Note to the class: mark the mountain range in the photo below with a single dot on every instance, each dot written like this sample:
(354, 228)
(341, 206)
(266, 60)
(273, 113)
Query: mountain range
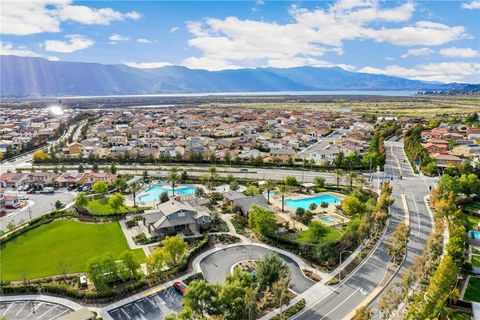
(31, 77)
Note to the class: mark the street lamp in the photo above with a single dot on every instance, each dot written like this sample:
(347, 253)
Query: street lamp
(340, 266)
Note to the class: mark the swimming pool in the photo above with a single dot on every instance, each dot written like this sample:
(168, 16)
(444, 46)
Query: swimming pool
(154, 192)
(328, 219)
(474, 234)
(306, 202)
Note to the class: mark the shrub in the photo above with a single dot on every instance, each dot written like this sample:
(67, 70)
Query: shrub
(313, 206)
(132, 223)
(324, 204)
(293, 310)
(300, 212)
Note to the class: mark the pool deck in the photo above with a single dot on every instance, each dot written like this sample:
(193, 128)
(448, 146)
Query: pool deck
(276, 201)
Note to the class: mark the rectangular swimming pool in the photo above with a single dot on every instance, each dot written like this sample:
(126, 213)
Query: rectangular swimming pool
(306, 202)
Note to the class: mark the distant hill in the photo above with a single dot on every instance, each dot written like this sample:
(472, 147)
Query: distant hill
(26, 77)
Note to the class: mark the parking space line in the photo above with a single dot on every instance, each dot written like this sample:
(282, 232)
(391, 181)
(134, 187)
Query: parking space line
(136, 305)
(23, 306)
(125, 313)
(6, 310)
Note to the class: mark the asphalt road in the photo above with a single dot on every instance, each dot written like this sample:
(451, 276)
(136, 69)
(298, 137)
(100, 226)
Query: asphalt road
(42, 204)
(217, 266)
(355, 289)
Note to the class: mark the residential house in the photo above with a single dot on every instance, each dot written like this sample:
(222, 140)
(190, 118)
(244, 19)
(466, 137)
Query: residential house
(467, 150)
(69, 178)
(445, 160)
(93, 177)
(12, 179)
(41, 179)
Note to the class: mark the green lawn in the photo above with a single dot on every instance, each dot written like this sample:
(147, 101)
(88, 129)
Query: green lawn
(473, 207)
(38, 252)
(460, 316)
(475, 261)
(472, 222)
(102, 208)
(332, 234)
(476, 250)
(473, 290)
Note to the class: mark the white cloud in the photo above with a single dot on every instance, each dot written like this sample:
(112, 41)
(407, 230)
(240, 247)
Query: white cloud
(233, 42)
(115, 38)
(417, 52)
(143, 40)
(174, 29)
(74, 43)
(134, 15)
(443, 71)
(471, 5)
(459, 52)
(31, 17)
(147, 65)
(7, 48)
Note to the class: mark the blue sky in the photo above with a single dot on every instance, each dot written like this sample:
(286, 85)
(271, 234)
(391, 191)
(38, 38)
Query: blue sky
(427, 40)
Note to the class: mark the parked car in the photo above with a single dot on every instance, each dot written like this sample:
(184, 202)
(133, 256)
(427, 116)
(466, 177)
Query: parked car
(47, 190)
(86, 189)
(244, 170)
(180, 287)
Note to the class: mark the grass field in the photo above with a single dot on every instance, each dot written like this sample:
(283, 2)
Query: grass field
(102, 208)
(332, 234)
(460, 316)
(473, 290)
(476, 261)
(38, 252)
(472, 222)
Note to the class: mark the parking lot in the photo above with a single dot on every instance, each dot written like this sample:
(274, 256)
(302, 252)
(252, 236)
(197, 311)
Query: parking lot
(42, 203)
(152, 307)
(32, 310)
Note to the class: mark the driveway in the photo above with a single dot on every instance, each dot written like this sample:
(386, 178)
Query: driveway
(42, 203)
(217, 266)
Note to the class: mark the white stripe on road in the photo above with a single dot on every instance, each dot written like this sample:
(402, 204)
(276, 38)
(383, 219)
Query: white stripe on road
(418, 215)
(344, 300)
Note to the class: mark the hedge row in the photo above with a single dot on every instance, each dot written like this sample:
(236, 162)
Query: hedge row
(293, 310)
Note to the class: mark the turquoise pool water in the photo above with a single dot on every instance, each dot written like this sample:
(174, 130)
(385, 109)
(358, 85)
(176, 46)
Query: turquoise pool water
(306, 202)
(154, 192)
(327, 219)
(474, 234)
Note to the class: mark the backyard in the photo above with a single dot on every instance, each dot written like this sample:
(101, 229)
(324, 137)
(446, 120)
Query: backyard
(473, 290)
(42, 251)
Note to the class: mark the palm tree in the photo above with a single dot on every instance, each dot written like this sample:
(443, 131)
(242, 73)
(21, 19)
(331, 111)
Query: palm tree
(361, 182)
(213, 173)
(172, 178)
(283, 190)
(351, 176)
(134, 187)
(338, 176)
(269, 186)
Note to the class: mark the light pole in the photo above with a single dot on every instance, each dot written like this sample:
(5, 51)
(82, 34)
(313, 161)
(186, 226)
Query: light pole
(29, 210)
(340, 266)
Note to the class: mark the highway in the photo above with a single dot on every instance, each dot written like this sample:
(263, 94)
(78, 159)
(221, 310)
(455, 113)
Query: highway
(366, 281)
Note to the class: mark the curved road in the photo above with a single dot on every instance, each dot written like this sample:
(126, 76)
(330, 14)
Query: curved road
(217, 266)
